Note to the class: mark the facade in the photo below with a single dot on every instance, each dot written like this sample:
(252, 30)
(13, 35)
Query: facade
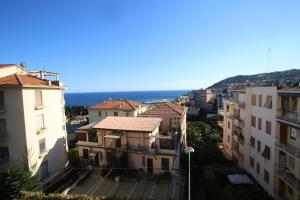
(287, 148)
(174, 119)
(32, 120)
(122, 108)
(104, 142)
(201, 98)
(267, 144)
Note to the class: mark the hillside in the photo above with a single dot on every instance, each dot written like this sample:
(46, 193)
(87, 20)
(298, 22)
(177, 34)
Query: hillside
(282, 76)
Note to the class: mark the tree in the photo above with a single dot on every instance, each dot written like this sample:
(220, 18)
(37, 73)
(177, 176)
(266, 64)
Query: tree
(73, 157)
(15, 179)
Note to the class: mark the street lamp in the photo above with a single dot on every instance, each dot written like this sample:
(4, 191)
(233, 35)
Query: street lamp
(189, 150)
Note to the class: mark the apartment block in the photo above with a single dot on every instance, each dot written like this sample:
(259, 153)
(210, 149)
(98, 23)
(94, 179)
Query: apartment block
(268, 144)
(140, 138)
(32, 120)
(287, 148)
(121, 108)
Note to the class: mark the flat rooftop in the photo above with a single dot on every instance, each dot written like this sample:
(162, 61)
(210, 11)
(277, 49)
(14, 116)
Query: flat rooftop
(141, 124)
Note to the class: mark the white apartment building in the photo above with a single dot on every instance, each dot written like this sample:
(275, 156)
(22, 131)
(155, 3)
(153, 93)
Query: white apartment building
(249, 131)
(121, 108)
(32, 120)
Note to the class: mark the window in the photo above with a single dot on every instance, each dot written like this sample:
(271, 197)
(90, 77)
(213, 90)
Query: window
(100, 155)
(4, 155)
(291, 162)
(228, 125)
(3, 129)
(143, 161)
(99, 113)
(294, 104)
(165, 164)
(85, 153)
(267, 153)
(115, 113)
(257, 168)
(252, 142)
(1, 99)
(38, 98)
(92, 136)
(167, 144)
(42, 145)
(105, 114)
(253, 100)
(293, 134)
(268, 127)
(82, 137)
(251, 162)
(259, 124)
(127, 114)
(228, 138)
(266, 176)
(268, 103)
(258, 146)
(40, 122)
(253, 121)
(260, 100)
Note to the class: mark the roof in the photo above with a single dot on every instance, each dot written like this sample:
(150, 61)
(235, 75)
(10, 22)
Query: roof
(117, 104)
(129, 123)
(167, 108)
(86, 127)
(7, 65)
(21, 80)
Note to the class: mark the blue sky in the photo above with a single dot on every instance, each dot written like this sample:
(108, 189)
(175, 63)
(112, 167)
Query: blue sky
(109, 45)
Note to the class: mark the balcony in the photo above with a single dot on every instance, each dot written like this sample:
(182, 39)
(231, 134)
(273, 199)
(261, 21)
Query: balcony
(3, 136)
(138, 149)
(242, 105)
(39, 106)
(2, 109)
(241, 140)
(289, 116)
(289, 149)
(287, 177)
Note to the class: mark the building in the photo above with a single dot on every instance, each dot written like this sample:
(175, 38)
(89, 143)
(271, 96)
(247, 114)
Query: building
(174, 119)
(104, 142)
(32, 120)
(266, 144)
(202, 97)
(287, 148)
(125, 108)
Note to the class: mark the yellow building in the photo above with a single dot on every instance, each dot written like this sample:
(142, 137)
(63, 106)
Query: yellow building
(103, 143)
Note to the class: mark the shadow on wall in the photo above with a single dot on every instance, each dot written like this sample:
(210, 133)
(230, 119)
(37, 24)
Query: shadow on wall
(54, 159)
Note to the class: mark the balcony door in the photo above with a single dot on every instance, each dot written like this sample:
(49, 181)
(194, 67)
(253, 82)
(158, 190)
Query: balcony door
(281, 188)
(150, 165)
(283, 134)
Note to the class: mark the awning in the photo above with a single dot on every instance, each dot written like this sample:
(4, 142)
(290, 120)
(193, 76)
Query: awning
(113, 135)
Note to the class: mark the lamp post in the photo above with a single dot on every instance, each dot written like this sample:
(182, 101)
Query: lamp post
(189, 150)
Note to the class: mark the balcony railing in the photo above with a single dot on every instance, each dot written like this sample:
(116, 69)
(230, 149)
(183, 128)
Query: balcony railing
(289, 149)
(242, 105)
(290, 116)
(287, 177)
(137, 148)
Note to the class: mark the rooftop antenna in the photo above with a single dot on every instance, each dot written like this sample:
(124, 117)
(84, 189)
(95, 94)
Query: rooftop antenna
(269, 54)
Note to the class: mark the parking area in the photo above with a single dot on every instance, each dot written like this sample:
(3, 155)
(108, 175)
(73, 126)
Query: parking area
(128, 188)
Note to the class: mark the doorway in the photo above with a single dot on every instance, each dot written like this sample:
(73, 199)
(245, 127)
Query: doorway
(150, 165)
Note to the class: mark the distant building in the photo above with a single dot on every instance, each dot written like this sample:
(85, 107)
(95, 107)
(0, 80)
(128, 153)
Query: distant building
(201, 98)
(121, 108)
(32, 120)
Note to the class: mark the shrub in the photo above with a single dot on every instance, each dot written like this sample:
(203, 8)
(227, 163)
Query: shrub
(73, 156)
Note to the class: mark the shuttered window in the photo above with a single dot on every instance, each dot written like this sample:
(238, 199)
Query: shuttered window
(40, 122)
(38, 98)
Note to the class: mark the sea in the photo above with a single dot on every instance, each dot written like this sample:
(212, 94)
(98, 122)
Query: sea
(88, 99)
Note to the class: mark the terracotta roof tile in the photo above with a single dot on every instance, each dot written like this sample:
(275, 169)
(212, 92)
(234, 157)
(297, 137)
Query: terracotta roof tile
(20, 80)
(141, 124)
(117, 104)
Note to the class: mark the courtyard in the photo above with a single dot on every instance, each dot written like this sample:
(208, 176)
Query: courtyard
(146, 187)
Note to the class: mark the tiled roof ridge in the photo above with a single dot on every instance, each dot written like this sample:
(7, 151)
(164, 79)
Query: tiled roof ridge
(168, 104)
(129, 103)
(18, 79)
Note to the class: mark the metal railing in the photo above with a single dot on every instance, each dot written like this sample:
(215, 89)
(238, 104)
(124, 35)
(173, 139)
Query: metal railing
(287, 177)
(289, 149)
(290, 116)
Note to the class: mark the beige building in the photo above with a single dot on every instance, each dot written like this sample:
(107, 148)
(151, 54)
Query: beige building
(32, 120)
(250, 129)
(287, 148)
(122, 108)
(104, 142)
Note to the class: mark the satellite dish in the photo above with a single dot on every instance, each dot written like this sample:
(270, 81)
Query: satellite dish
(23, 64)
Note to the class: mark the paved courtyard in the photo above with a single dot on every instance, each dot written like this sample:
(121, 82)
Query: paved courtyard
(127, 188)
